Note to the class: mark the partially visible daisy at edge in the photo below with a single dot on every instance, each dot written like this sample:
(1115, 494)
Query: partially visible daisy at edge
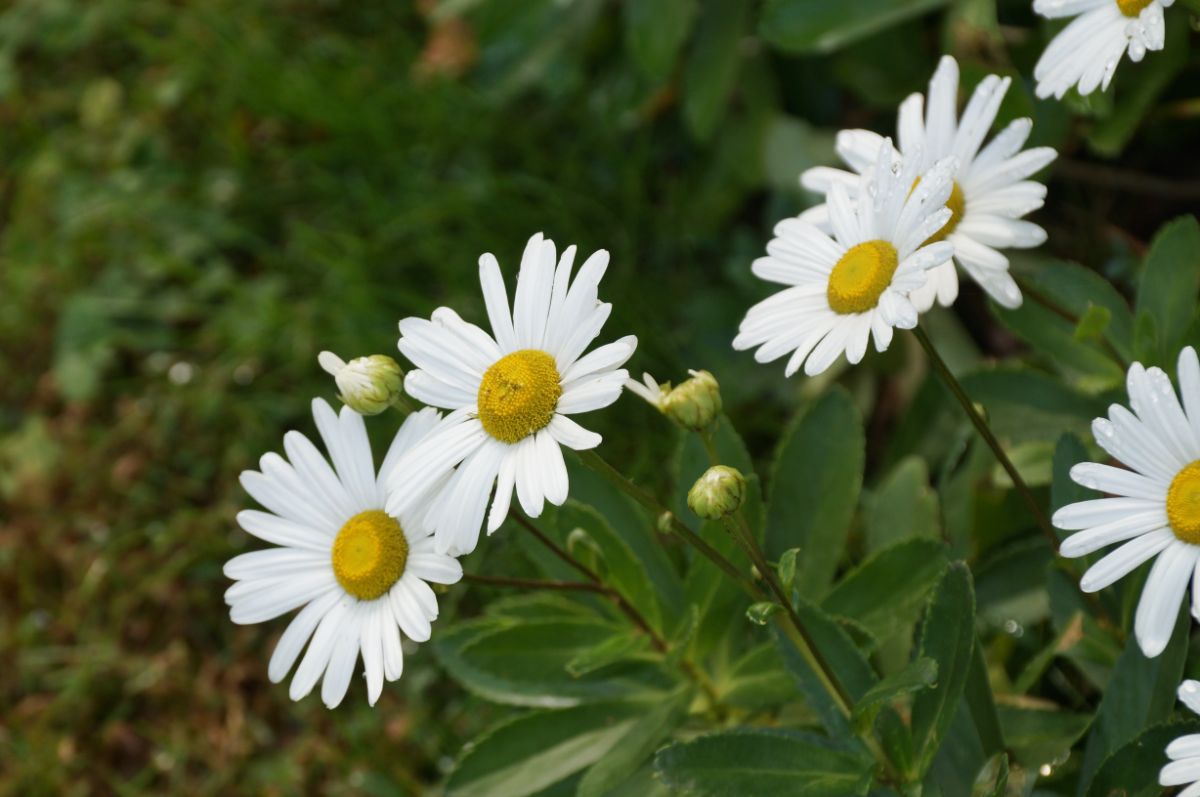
(361, 575)
(846, 289)
(1184, 752)
(510, 393)
(1085, 53)
(1154, 505)
(991, 191)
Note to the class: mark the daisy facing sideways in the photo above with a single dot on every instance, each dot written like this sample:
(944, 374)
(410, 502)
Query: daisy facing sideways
(1154, 508)
(510, 394)
(847, 288)
(360, 575)
(1086, 52)
(1184, 752)
(991, 191)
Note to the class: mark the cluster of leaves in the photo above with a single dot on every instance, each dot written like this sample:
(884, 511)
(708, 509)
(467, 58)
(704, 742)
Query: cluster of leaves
(197, 197)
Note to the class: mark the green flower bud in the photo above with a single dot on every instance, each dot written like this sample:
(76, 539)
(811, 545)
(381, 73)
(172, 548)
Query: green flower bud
(718, 493)
(694, 405)
(368, 385)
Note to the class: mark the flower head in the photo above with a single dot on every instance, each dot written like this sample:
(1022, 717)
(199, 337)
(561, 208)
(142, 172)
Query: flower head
(854, 286)
(510, 393)
(990, 192)
(1086, 52)
(1154, 510)
(368, 385)
(694, 405)
(361, 575)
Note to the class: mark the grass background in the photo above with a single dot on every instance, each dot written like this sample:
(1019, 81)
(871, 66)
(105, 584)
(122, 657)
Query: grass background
(197, 197)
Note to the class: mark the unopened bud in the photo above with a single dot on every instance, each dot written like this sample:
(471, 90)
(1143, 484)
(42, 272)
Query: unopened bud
(694, 405)
(368, 385)
(718, 493)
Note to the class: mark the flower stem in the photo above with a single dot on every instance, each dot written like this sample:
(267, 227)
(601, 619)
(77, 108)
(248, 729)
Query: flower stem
(985, 432)
(596, 584)
(594, 461)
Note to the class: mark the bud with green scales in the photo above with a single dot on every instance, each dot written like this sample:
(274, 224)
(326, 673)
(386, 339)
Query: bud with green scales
(367, 385)
(718, 493)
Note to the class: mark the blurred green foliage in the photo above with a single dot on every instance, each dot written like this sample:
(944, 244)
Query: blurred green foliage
(197, 197)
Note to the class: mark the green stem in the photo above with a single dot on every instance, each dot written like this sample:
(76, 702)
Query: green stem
(594, 461)
(596, 584)
(985, 432)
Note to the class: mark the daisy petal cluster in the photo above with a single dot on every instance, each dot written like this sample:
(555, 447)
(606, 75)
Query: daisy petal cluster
(1153, 508)
(359, 576)
(511, 394)
(1184, 752)
(1085, 54)
(852, 284)
(991, 190)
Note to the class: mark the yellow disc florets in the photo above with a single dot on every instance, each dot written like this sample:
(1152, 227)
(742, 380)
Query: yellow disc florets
(861, 276)
(518, 395)
(1133, 8)
(1183, 504)
(369, 554)
(958, 206)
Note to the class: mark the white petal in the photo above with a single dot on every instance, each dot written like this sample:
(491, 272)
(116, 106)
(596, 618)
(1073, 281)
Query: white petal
(1096, 511)
(280, 531)
(1125, 559)
(572, 435)
(1118, 481)
(553, 469)
(435, 567)
(343, 658)
(1164, 591)
(298, 631)
(408, 614)
(495, 298)
(1126, 527)
(320, 649)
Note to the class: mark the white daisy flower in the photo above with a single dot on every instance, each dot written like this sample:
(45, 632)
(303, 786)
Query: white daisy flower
(1184, 752)
(1155, 508)
(510, 393)
(360, 574)
(990, 193)
(1086, 52)
(854, 285)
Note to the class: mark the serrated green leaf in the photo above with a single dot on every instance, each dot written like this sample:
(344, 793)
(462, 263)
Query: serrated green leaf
(919, 674)
(947, 637)
(815, 483)
(522, 756)
(760, 762)
(890, 587)
(843, 658)
(524, 662)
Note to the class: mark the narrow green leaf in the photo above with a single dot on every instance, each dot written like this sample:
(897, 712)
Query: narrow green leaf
(765, 762)
(890, 587)
(815, 482)
(841, 655)
(525, 755)
(1167, 290)
(805, 26)
(635, 747)
(1093, 323)
(1040, 734)
(948, 637)
(993, 778)
(618, 647)
(787, 567)
(918, 675)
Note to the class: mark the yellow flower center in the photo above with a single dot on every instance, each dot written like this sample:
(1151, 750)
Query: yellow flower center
(518, 395)
(369, 554)
(1133, 8)
(861, 277)
(957, 204)
(1183, 504)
